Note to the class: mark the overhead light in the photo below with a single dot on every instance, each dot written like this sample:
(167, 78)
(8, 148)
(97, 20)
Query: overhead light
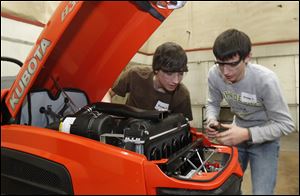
(170, 4)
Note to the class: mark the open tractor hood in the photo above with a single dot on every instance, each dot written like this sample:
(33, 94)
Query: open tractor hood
(85, 45)
(58, 138)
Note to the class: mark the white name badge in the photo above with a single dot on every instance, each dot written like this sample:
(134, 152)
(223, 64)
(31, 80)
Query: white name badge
(248, 98)
(161, 106)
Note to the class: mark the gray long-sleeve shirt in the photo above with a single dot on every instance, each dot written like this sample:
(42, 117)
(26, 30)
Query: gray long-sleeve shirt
(256, 102)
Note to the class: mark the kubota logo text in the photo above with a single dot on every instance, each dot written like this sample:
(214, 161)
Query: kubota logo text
(29, 71)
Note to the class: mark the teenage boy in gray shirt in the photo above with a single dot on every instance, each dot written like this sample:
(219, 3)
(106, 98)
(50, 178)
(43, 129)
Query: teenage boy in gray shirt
(261, 114)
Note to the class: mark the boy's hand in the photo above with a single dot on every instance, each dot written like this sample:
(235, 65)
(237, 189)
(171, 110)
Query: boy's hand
(233, 135)
(211, 129)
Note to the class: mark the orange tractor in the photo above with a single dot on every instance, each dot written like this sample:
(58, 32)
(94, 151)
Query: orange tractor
(58, 138)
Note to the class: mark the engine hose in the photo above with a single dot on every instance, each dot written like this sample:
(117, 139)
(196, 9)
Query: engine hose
(125, 111)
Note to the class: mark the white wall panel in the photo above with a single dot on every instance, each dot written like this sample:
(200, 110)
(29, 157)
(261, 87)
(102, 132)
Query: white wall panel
(197, 115)
(196, 81)
(17, 40)
(14, 50)
(19, 30)
(297, 89)
(284, 68)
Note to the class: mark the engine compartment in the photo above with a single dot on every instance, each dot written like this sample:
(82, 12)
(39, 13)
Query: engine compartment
(155, 134)
(162, 137)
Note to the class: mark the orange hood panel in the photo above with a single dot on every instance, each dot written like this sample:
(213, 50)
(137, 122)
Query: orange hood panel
(85, 45)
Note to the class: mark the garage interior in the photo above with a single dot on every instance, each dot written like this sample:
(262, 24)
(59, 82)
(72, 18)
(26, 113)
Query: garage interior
(272, 26)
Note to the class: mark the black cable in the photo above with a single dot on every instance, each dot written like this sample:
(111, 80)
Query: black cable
(9, 59)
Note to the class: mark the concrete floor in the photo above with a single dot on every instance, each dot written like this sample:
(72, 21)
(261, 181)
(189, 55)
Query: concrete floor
(288, 171)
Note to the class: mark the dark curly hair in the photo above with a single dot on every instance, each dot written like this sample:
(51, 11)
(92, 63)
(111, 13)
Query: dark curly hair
(230, 43)
(170, 57)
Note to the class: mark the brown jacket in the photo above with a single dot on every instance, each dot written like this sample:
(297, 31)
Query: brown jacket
(138, 81)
